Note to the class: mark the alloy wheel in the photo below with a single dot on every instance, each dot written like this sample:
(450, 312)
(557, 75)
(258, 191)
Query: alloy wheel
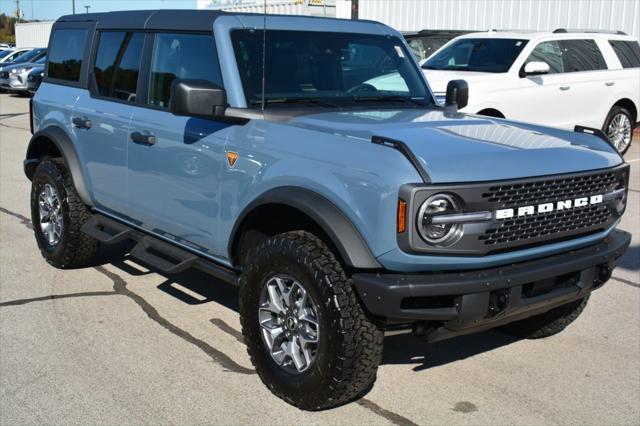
(289, 323)
(619, 131)
(50, 210)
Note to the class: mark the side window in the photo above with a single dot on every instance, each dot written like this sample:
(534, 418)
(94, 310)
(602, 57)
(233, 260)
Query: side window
(582, 55)
(628, 52)
(549, 52)
(117, 64)
(191, 56)
(67, 51)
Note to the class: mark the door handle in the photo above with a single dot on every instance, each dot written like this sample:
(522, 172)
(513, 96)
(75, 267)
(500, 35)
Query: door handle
(143, 138)
(565, 88)
(81, 122)
(609, 83)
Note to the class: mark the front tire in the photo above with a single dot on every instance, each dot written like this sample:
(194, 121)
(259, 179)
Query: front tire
(548, 323)
(619, 128)
(346, 347)
(57, 214)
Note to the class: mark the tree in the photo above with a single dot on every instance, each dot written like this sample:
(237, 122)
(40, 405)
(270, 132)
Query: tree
(7, 29)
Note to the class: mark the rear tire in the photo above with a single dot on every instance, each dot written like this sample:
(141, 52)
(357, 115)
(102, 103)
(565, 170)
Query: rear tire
(57, 214)
(618, 126)
(548, 323)
(349, 346)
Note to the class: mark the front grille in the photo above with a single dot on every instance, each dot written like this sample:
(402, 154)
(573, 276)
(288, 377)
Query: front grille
(547, 225)
(566, 188)
(554, 225)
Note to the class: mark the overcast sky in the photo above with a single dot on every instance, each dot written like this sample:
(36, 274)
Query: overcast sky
(53, 9)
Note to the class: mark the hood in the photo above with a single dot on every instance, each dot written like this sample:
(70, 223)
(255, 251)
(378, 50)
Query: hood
(438, 79)
(460, 148)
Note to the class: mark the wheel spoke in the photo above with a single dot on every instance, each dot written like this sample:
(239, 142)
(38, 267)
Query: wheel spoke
(282, 286)
(275, 299)
(310, 320)
(296, 356)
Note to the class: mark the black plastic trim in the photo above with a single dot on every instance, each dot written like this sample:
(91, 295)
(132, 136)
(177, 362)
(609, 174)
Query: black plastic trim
(383, 293)
(404, 149)
(592, 131)
(351, 245)
(62, 141)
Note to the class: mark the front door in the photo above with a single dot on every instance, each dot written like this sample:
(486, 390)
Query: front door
(175, 163)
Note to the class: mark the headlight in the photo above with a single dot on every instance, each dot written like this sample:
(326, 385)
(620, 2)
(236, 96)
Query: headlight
(15, 71)
(439, 234)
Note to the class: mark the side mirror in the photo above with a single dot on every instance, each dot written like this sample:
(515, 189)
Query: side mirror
(197, 98)
(536, 68)
(457, 94)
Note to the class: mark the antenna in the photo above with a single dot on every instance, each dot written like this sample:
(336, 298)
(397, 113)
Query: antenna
(264, 52)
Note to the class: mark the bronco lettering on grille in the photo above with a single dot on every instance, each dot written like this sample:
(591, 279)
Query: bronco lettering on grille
(548, 207)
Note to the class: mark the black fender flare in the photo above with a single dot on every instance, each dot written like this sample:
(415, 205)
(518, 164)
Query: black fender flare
(65, 146)
(345, 236)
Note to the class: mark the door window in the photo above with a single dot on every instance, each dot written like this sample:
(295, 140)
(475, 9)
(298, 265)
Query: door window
(188, 56)
(582, 55)
(67, 51)
(117, 65)
(628, 52)
(550, 53)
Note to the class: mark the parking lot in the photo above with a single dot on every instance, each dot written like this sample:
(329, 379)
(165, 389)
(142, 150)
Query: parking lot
(119, 344)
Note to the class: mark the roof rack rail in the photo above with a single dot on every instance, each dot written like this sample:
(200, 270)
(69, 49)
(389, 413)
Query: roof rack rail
(578, 30)
(511, 30)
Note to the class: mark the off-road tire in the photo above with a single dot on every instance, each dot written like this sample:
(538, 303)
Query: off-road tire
(615, 111)
(548, 323)
(75, 249)
(350, 347)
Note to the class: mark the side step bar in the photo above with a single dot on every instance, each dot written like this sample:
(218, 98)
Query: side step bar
(154, 252)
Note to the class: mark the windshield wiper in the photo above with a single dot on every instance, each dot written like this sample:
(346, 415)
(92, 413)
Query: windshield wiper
(314, 101)
(419, 102)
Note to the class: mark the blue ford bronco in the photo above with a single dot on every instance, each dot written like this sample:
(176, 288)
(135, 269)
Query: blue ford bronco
(305, 160)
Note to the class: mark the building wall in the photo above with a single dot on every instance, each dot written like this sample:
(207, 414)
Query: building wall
(279, 7)
(33, 34)
(540, 15)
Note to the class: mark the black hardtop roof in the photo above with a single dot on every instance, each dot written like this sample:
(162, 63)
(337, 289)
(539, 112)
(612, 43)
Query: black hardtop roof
(162, 19)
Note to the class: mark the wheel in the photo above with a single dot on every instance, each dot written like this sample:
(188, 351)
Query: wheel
(548, 323)
(306, 333)
(57, 213)
(619, 128)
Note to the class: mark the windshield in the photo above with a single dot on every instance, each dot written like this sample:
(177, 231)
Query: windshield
(4, 53)
(423, 47)
(27, 57)
(337, 68)
(477, 54)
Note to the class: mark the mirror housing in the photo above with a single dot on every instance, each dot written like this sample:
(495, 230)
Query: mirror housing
(536, 68)
(197, 98)
(457, 94)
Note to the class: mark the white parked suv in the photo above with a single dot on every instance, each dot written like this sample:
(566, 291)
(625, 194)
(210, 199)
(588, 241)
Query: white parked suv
(560, 78)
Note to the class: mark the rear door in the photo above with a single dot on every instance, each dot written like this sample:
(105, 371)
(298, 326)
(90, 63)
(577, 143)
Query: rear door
(588, 74)
(175, 162)
(102, 115)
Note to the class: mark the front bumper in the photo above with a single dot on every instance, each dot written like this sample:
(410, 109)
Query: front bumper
(468, 301)
(14, 82)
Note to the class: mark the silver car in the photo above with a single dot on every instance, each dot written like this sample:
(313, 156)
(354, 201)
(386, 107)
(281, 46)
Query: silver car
(14, 78)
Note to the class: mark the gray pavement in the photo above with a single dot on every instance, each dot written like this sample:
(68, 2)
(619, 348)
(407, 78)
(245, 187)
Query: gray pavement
(119, 344)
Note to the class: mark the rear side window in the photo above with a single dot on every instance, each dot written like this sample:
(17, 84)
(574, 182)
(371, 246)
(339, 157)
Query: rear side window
(67, 51)
(550, 53)
(117, 65)
(191, 56)
(628, 52)
(582, 55)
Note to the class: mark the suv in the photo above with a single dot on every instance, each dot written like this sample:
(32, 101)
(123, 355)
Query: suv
(560, 78)
(340, 208)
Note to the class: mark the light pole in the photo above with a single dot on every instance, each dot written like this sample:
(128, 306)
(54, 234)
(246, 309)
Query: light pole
(73, 6)
(87, 7)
